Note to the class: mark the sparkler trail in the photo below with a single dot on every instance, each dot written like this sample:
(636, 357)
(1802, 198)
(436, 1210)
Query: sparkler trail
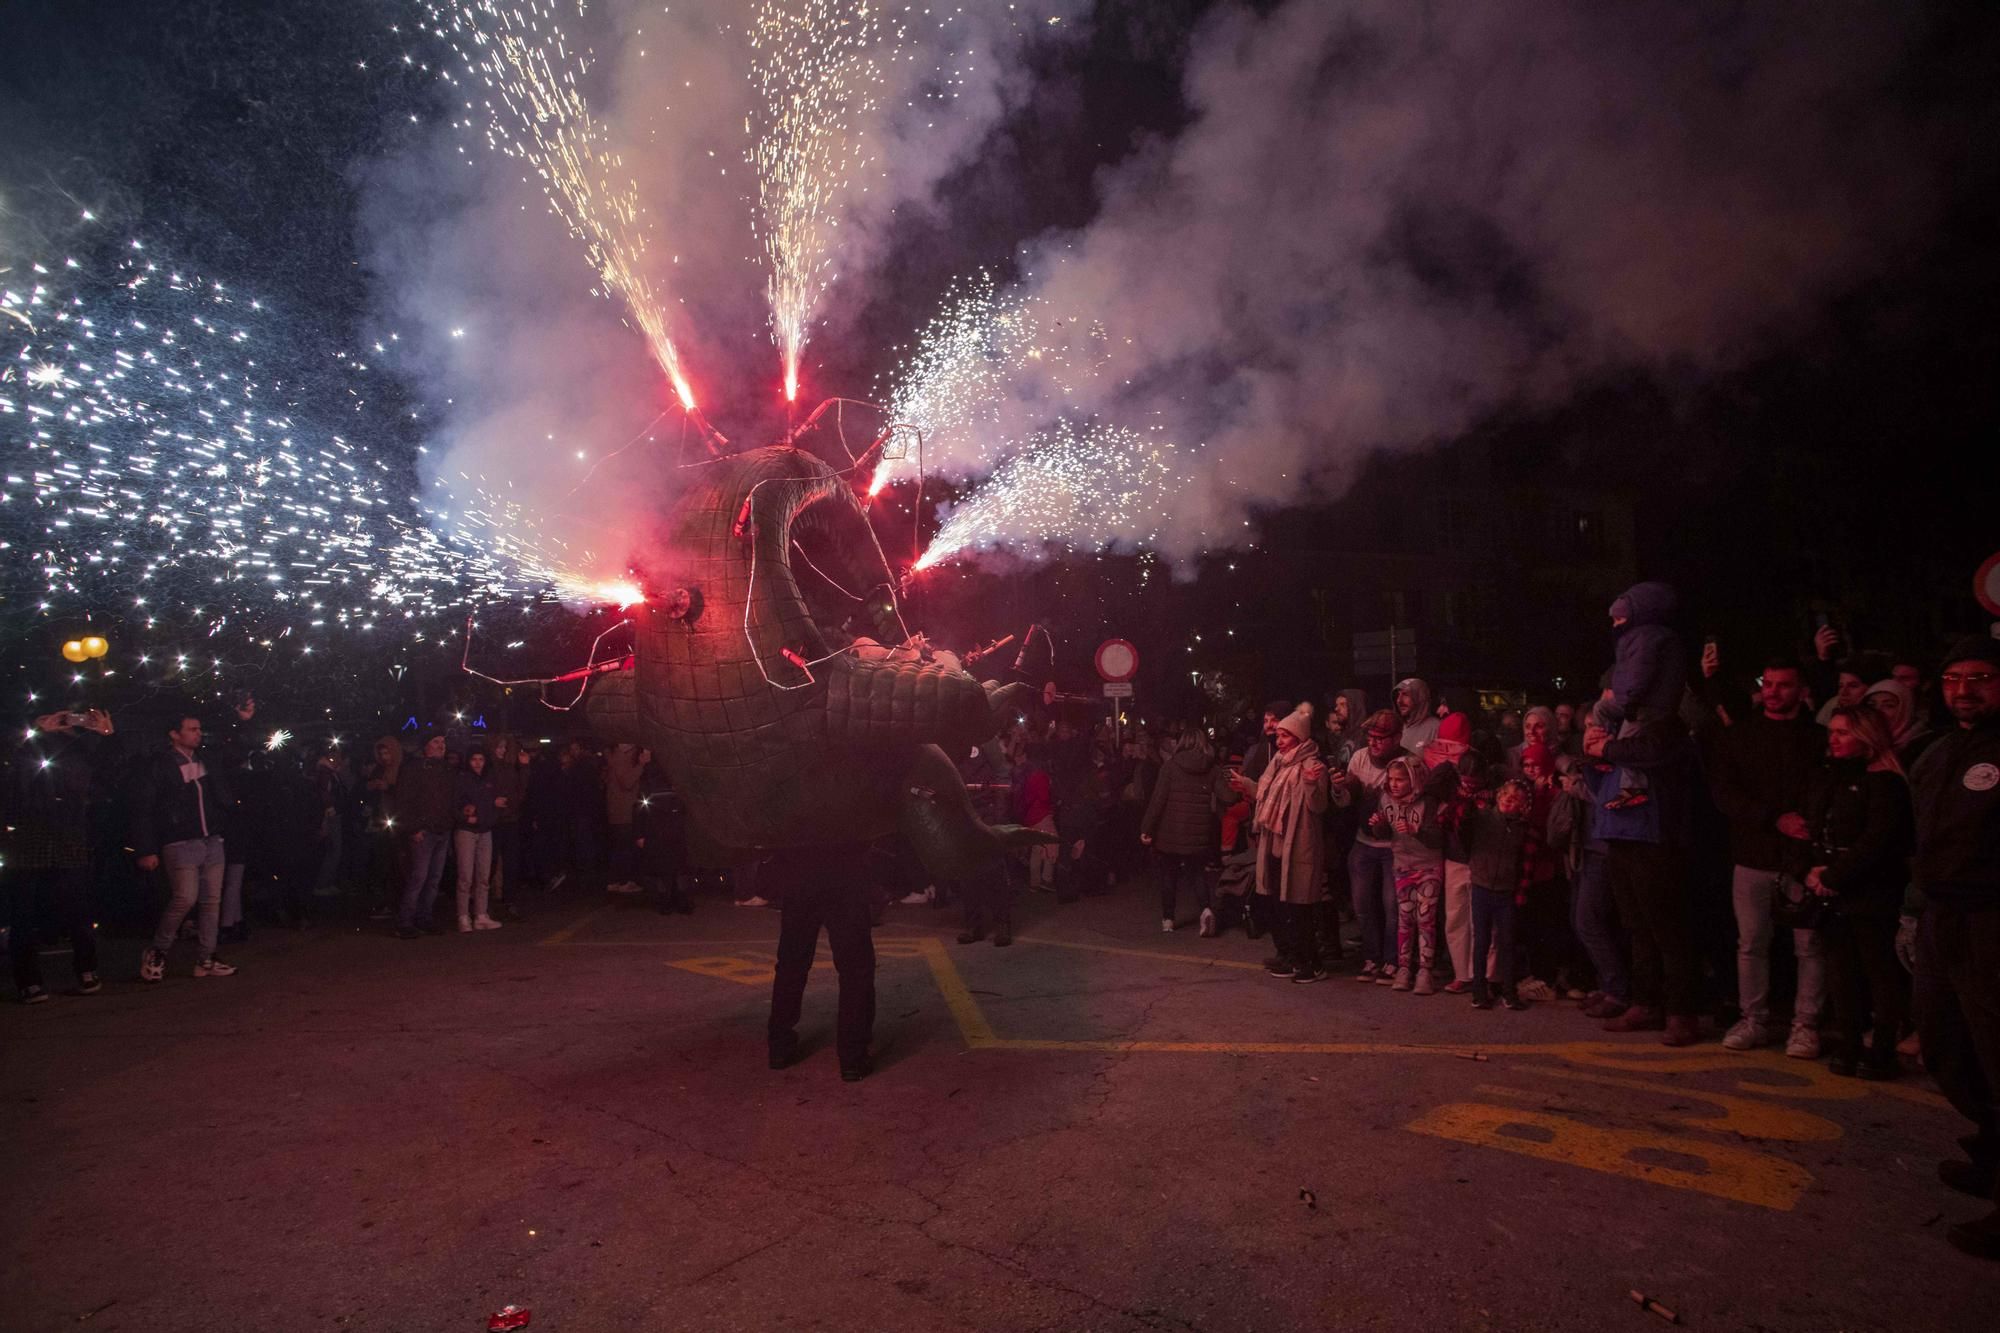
(1078, 485)
(814, 64)
(967, 369)
(519, 52)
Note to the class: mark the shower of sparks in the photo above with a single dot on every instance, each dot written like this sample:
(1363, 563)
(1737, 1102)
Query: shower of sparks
(816, 70)
(979, 352)
(518, 52)
(1078, 485)
(167, 457)
(279, 739)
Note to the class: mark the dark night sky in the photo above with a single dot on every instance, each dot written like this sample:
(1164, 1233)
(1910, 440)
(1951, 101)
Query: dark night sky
(1851, 462)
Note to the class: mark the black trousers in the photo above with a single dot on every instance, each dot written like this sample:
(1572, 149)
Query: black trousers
(1173, 869)
(1958, 1014)
(824, 887)
(1865, 977)
(989, 898)
(1648, 882)
(67, 894)
(1298, 934)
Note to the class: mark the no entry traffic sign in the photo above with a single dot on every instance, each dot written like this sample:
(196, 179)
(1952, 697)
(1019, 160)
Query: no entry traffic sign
(1117, 660)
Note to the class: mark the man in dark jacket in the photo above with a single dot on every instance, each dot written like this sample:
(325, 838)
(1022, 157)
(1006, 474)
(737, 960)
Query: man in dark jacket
(424, 816)
(177, 823)
(1762, 768)
(46, 825)
(1956, 788)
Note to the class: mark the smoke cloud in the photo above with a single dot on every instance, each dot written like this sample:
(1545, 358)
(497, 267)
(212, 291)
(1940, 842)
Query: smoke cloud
(1381, 223)
(1387, 220)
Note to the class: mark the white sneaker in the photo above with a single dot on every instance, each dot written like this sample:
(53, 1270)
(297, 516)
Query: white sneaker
(755, 900)
(1804, 1043)
(214, 967)
(1424, 984)
(152, 965)
(1746, 1035)
(1402, 979)
(465, 925)
(917, 899)
(485, 923)
(1207, 922)
(622, 886)
(1166, 925)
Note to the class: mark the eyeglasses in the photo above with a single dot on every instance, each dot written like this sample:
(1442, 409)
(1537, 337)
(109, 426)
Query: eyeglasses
(1954, 681)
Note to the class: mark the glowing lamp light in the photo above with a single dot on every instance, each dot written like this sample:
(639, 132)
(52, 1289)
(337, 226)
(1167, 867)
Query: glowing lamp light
(74, 651)
(95, 646)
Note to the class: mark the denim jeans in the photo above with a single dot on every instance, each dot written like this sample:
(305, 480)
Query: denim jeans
(420, 887)
(1371, 876)
(474, 848)
(1493, 913)
(1593, 919)
(194, 875)
(1751, 891)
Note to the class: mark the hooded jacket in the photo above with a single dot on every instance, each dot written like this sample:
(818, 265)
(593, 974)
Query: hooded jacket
(1340, 746)
(1420, 726)
(1181, 817)
(1649, 674)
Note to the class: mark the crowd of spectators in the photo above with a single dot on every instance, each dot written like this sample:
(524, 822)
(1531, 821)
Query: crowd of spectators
(1797, 852)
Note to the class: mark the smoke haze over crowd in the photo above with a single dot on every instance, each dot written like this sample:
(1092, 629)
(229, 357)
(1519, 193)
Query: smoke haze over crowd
(1379, 224)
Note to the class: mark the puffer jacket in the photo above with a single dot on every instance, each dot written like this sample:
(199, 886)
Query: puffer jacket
(1181, 817)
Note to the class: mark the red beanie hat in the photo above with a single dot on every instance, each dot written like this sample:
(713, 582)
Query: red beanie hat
(1456, 728)
(1539, 755)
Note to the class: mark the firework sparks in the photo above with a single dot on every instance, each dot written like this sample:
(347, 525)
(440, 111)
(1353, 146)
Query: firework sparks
(970, 361)
(519, 52)
(815, 68)
(1081, 485)
(164, 463)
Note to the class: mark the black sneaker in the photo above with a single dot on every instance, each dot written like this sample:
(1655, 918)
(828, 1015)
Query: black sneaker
(1278, 967)
(35, 995)
(88, 983)
(857, 1071)
(1514, 1002)
(1482, 1002)
(1002, 937)
(972, 936)
(1306, 977)
(407, 932)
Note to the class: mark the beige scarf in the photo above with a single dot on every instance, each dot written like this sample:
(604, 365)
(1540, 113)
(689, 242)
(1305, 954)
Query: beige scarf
(1282, 793)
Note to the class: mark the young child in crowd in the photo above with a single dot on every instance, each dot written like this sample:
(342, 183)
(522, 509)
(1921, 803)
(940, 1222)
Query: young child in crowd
(1494, 843)
(1648, 676)
(1410, 820)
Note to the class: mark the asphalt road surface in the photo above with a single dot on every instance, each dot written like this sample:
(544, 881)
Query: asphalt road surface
(1103, 1127)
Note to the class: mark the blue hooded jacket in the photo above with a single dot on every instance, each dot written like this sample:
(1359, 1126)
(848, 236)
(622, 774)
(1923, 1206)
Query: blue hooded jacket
(1650, 672)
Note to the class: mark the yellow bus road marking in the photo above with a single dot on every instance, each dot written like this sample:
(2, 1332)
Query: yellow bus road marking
(1723, 1170)
(1746, 1116)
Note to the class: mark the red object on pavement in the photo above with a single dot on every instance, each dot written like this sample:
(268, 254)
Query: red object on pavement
(512, 1316)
